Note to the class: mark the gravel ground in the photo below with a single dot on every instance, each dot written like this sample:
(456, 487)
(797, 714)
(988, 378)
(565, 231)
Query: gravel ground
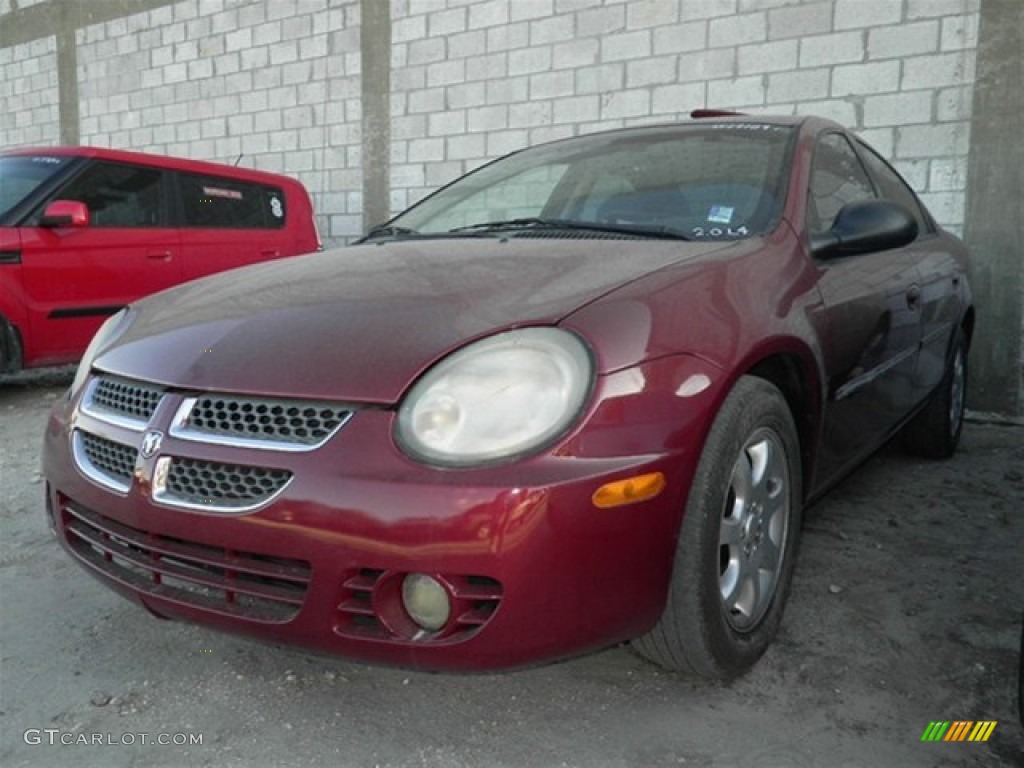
(906, 609)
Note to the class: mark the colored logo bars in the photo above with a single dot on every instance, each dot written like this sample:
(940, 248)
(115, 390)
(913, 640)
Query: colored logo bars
(959, 730)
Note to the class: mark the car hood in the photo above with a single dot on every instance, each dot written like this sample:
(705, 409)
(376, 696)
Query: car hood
(361, 323)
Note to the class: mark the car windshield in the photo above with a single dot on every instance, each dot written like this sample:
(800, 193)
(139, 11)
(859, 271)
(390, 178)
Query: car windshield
(20, 175)
(721, 180)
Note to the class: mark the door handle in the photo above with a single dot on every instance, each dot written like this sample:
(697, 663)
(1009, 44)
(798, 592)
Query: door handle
(159, 255)
(913, 297)
(272, 253)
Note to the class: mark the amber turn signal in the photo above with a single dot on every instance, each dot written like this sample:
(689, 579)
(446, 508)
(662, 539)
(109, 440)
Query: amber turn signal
(629, 491)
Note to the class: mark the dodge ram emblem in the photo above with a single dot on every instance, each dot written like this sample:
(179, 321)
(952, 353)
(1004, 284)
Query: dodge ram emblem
(151, 444)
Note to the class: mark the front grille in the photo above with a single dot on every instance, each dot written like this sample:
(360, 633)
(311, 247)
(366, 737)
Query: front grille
(128, 399)
(227, 581)
(210, 484)
(295, 423)
(106, 461)
(370, 607)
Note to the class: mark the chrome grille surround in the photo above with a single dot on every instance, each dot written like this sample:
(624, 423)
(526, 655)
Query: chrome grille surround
(230, 582)
(213, 486)
(135, 409)
(120, 401)
(107, 462)
(265, 423)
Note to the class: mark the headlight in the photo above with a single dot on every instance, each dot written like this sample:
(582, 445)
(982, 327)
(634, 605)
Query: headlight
(110, 329)
(501, 397)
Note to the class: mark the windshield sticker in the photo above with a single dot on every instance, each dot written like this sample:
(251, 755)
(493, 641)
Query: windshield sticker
(720, 214)
(701, 233)
(47, 160)
(276, 208)
(231, 194)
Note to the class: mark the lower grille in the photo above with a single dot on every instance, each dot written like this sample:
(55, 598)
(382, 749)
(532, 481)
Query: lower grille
(216, 486)
(107, 462)
(370, 607)
(230, 582)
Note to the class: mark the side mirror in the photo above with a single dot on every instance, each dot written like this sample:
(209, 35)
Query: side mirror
(65, 213)
(865, 226)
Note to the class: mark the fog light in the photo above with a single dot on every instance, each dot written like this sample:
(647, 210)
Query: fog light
(426, 601)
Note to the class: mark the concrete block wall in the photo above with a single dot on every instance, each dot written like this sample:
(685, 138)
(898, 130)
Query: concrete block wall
(278, 83)
(268, 85)
(28, 93)
(473, 80)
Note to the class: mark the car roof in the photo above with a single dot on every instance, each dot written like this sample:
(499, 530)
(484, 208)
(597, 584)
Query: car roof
(161, 161)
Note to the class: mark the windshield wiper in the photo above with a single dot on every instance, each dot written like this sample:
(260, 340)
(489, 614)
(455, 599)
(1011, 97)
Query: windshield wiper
(529, 222)
(387, 230)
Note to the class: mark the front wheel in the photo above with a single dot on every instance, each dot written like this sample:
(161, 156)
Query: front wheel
(935, 432)
(737, 544)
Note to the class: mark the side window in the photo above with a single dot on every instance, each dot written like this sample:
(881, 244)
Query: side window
(837, 178)
(211, 201)
(893, 187)
(120, 195)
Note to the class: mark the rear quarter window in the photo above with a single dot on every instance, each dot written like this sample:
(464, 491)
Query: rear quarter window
(220, 203)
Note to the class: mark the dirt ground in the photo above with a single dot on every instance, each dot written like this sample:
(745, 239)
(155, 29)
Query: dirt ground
(906, 609)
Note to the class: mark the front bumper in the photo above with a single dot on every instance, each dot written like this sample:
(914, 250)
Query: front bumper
(535, 571)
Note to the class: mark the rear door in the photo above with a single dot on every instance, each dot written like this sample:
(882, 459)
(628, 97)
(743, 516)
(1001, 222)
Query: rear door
(872, 313)
(75, 277)
(228, 223)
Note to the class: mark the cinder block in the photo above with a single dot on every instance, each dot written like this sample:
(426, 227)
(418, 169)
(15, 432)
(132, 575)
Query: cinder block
(898, 109)
(856, 14)
(918, 141)
(737, 30)
(903, 40)
(626, 46)
(679, 99)
(577, 109)
(530, 114)
(861, 79)
(802, 85)
(651, 13)
(600, 78)
(767, 57)
(600, 21)
(738, 91)
(551, 85)
(708, 65)
(680, 38)
(940, 70)
(622, 104)
(556, 29)
(575, 53)
(642, 72)
(706, 9)
(529, 60)
(840, 48)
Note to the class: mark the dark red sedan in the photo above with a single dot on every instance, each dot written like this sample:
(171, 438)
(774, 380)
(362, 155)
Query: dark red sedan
(577, 397)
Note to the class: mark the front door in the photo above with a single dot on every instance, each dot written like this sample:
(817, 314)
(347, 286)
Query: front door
(871, 304)
(75, 277)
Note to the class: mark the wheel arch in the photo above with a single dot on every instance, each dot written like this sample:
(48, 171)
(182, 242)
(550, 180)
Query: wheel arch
(967, 324)
(11, 349)
(796, 378)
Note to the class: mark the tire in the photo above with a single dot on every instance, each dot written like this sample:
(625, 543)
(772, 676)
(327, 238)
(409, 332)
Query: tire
(934, 433)
(1020, 674)
(742, 520)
